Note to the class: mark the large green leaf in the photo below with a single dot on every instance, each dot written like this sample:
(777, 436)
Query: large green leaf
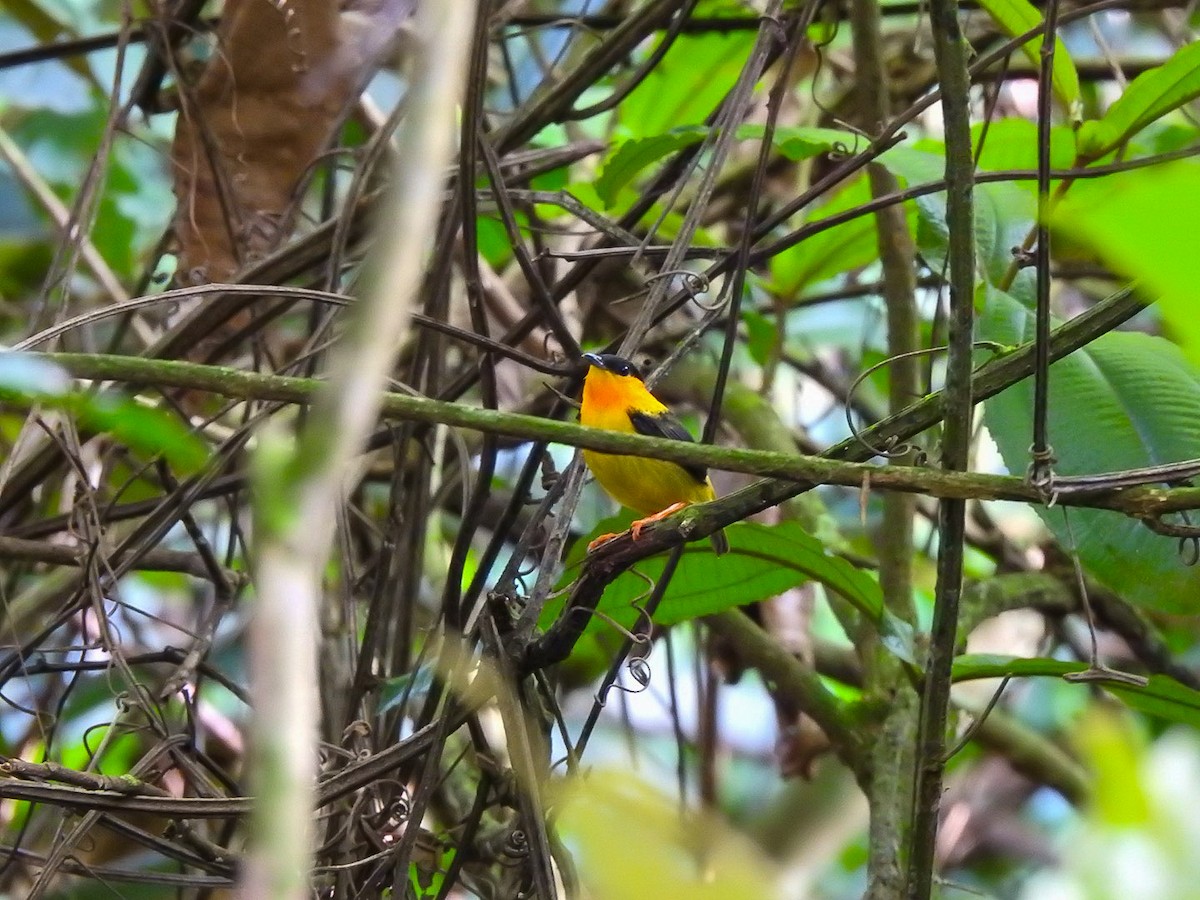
(1125, 401)
(27, 381)
(1162, 696)
(1017, 17)
(763, 561)
(1144, 224)
(1150, 96)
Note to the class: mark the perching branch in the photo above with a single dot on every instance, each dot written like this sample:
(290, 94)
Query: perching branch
(798, 471)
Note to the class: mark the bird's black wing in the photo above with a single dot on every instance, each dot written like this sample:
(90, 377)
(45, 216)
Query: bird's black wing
(665, 425)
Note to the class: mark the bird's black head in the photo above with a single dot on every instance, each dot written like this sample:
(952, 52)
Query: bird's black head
(609, 362)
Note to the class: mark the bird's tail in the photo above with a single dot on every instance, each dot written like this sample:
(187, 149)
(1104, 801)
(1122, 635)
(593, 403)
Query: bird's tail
(720, 543)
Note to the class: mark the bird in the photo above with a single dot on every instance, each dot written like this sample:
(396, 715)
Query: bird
(615, 398)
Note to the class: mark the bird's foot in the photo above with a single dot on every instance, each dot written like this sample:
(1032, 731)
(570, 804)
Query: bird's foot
(603, 539)
(636, 527)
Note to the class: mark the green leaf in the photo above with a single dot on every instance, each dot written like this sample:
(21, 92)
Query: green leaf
(1143, 224)
(1003, 211)
(1016, 17)
(633, 156)
(493, 241)
(687, 84)
(146, 430)
(1163, 696)
(840, 248)
(27, 381)
(1013, 144)
(631, 841)
(763, 561)
(1126, 400)
(1150, 96)
(799, 142)
(425, 880)
(762, 334)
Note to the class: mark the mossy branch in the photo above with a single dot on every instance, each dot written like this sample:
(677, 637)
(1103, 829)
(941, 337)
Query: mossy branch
(792, 473)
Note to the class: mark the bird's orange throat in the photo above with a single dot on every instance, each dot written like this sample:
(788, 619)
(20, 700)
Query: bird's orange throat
(600, 388)
(606, 400)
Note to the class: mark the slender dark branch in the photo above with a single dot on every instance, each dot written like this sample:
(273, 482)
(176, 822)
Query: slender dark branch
(156, 560)
(950, 48)
(1041, 467)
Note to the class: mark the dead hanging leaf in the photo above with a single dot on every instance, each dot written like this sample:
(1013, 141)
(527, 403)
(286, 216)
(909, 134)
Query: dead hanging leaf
(800, 744)
(281, 81)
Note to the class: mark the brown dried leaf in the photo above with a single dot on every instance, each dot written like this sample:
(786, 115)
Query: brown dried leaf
(283, 77)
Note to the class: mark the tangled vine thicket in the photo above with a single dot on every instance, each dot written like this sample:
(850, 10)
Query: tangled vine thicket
(674, 179)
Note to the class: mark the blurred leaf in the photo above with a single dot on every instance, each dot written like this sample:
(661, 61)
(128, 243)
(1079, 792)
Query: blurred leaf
(552, 180)
(897, 637)
(114, 237)
(1016, 17)
(59, 144)
(27, 381)
(1163, 697)
(1114, 753)
(409, 686)
(493, 241)
(46, 27)
(763, 561)
(800, 142)
(23, 264)
(632, 842)
(761, 335)
(32, 376)
(1137, 839)
(145, 430)
(1150, 96)
(62, 147)
(163, 582)
(1126, 400)
(1143, 224)
(686, 85)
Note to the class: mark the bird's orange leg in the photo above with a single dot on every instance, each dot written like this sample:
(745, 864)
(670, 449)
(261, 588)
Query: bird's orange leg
(603, 539)
(637, 526)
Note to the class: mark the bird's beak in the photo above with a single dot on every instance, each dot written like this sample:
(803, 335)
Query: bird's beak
(593, 359)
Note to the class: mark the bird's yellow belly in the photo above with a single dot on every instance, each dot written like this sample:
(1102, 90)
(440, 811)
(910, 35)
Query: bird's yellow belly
(645, 485)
